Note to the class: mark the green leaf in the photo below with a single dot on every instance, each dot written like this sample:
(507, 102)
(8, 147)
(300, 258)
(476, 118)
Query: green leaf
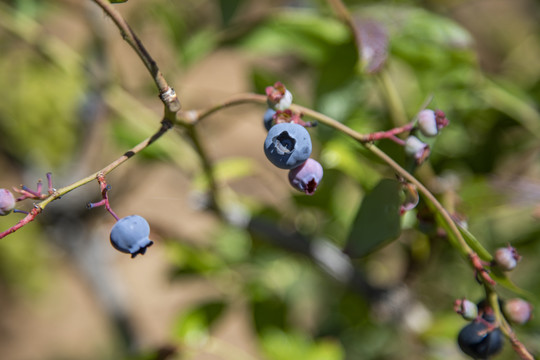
(227, 170)
(502, 279)
(117, 1)
(377, 221)
(193, 326)
(471, 240)
(298, 33)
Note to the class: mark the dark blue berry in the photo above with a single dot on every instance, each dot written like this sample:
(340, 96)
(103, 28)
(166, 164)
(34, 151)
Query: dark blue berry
(130, 235)
(268, 118)
(478, 341)
(287, 145)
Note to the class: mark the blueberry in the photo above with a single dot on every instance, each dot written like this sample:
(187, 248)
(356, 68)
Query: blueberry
(130, 235)
(287, 145)
(7, 202)
(478, 341)
(268, 118)
(307, 176)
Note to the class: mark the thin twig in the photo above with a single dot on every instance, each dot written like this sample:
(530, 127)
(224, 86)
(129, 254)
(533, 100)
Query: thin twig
(107, 169)
(166, 92)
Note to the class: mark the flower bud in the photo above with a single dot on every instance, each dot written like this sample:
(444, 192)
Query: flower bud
(517, 311)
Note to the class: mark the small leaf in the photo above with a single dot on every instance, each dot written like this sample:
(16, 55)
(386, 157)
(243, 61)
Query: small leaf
(502, 279)
(377, 221)
(471, 240)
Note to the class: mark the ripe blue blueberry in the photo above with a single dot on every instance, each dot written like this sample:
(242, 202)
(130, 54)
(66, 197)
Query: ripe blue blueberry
(7, 202)
(287, 145)
(268, 118)
(130, 235)
(478, 341)
(307, 176)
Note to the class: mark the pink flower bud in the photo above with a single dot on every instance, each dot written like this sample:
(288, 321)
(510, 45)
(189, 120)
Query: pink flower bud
(416, 148)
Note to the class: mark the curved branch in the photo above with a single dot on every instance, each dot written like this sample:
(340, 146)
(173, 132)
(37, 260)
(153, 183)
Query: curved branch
(166, 92)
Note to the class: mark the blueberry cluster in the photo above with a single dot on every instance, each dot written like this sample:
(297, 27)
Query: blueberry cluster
(482, 338)
(288, 143)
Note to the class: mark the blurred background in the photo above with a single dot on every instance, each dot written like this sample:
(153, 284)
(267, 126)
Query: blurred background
(267, 280)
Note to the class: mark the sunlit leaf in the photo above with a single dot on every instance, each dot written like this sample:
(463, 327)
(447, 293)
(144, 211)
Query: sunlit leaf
(279, 345)
(194, 325)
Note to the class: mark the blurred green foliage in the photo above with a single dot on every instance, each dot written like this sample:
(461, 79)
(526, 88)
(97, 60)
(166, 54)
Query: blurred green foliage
(487, 159)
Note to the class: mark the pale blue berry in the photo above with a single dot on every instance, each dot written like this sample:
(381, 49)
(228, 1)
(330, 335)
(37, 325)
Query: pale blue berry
(130, 235)
(287, 145)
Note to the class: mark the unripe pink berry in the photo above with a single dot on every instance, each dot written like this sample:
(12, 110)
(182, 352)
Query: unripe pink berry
(307, 176)
(506, 258)
(416, 148)
(517, 311)
(427, 123)
(7, 202)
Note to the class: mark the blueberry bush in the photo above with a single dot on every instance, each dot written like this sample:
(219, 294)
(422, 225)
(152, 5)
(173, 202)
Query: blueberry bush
(320, 179)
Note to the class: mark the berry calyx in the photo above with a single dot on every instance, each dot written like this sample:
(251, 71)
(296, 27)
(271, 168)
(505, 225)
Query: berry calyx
(7, 202)
(287, 145)
(130, 235)
(506, 258)
(307, 176)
